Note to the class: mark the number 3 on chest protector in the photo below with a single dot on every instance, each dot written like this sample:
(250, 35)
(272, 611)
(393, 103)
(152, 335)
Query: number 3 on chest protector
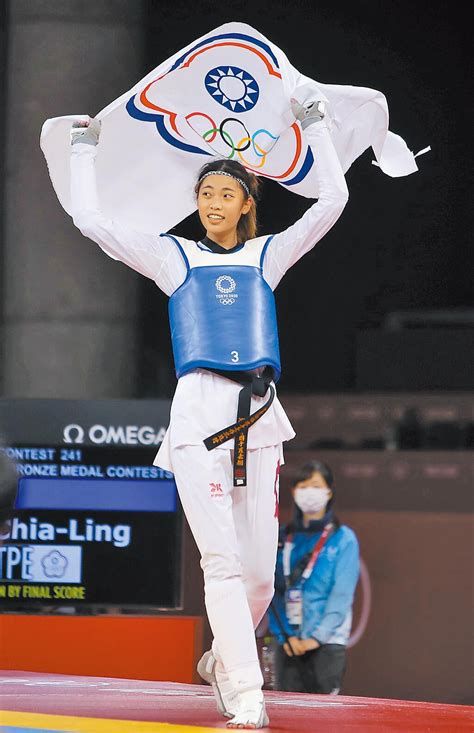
(234, 355)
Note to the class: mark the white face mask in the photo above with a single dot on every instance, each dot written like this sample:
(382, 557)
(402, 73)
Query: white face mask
(312, 499)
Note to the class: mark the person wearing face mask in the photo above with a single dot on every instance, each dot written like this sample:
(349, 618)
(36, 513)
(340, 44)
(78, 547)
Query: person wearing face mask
(316, 576)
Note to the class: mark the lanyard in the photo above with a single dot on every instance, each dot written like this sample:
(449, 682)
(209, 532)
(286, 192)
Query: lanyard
(288, 548)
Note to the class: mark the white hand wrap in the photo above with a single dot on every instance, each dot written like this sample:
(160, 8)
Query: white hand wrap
(86, 133)
(308, 113)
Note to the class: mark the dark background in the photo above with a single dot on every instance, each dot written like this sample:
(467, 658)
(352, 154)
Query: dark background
(400, 243)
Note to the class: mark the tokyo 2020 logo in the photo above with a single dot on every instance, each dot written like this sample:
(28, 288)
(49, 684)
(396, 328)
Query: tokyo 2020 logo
(223, 288)
(226, 285)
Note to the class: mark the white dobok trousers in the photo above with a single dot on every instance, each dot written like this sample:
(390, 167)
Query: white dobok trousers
(236, 531)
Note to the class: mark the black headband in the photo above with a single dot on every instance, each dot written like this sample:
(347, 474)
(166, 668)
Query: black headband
(230, 175)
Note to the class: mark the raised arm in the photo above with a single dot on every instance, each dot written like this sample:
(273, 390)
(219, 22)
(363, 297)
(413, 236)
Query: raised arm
(148, 254)
(289, 246)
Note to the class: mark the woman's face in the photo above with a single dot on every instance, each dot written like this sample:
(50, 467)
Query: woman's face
(221, 203)
(315, 481)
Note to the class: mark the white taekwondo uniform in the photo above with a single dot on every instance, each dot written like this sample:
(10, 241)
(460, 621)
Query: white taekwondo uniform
(235, 528)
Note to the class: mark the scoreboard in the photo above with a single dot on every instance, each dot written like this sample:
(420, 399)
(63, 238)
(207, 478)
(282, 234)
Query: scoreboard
(95, 523)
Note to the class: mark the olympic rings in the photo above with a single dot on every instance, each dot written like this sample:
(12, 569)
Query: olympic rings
(222, 131)
(243, 144)
(254, 144)
(259, 153)
(230, 144)
(202, 114)
(256, 167)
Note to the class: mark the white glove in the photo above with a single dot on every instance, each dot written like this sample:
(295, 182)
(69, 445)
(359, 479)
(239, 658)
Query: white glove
(308, 113)
(85, 132)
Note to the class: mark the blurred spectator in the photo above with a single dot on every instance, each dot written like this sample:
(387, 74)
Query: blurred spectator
(316, 575)
(408, 432)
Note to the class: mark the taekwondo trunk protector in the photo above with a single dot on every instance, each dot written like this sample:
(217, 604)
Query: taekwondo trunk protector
(223, 318)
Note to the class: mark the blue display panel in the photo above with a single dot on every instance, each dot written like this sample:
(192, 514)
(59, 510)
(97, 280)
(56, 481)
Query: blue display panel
(98, 525)
(97, 494)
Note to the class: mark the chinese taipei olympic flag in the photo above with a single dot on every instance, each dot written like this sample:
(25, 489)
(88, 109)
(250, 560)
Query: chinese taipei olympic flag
(227, 94)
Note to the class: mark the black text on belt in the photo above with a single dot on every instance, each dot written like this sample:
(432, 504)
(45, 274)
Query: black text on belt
(253, 384)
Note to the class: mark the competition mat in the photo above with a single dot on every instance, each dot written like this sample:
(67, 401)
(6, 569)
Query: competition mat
(31, 702)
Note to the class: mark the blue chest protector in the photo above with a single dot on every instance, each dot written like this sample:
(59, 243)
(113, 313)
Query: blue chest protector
(224, 317)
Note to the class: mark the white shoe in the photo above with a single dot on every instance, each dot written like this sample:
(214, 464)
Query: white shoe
(251, 713)
(226, 697)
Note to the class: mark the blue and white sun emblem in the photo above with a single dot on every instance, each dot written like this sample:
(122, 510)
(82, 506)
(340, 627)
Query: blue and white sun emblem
(232, 87)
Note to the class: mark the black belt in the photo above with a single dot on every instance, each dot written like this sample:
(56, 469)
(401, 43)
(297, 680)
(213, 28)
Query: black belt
(252, 384)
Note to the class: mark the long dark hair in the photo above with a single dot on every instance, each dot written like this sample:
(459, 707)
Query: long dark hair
(247, 226)
(312, 467)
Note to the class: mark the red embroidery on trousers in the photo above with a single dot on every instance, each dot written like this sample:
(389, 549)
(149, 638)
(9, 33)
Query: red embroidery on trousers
(216, 490)
(275, 489)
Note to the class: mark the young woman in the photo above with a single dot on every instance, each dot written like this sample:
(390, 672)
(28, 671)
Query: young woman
(224, 441)
(316, 577)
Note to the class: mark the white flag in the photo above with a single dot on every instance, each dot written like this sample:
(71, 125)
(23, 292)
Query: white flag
(227, 94)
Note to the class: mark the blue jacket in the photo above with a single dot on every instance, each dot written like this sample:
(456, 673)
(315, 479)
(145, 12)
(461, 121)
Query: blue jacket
(328, 593)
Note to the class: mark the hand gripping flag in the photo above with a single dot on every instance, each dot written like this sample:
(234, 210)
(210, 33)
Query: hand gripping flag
(227, 94)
